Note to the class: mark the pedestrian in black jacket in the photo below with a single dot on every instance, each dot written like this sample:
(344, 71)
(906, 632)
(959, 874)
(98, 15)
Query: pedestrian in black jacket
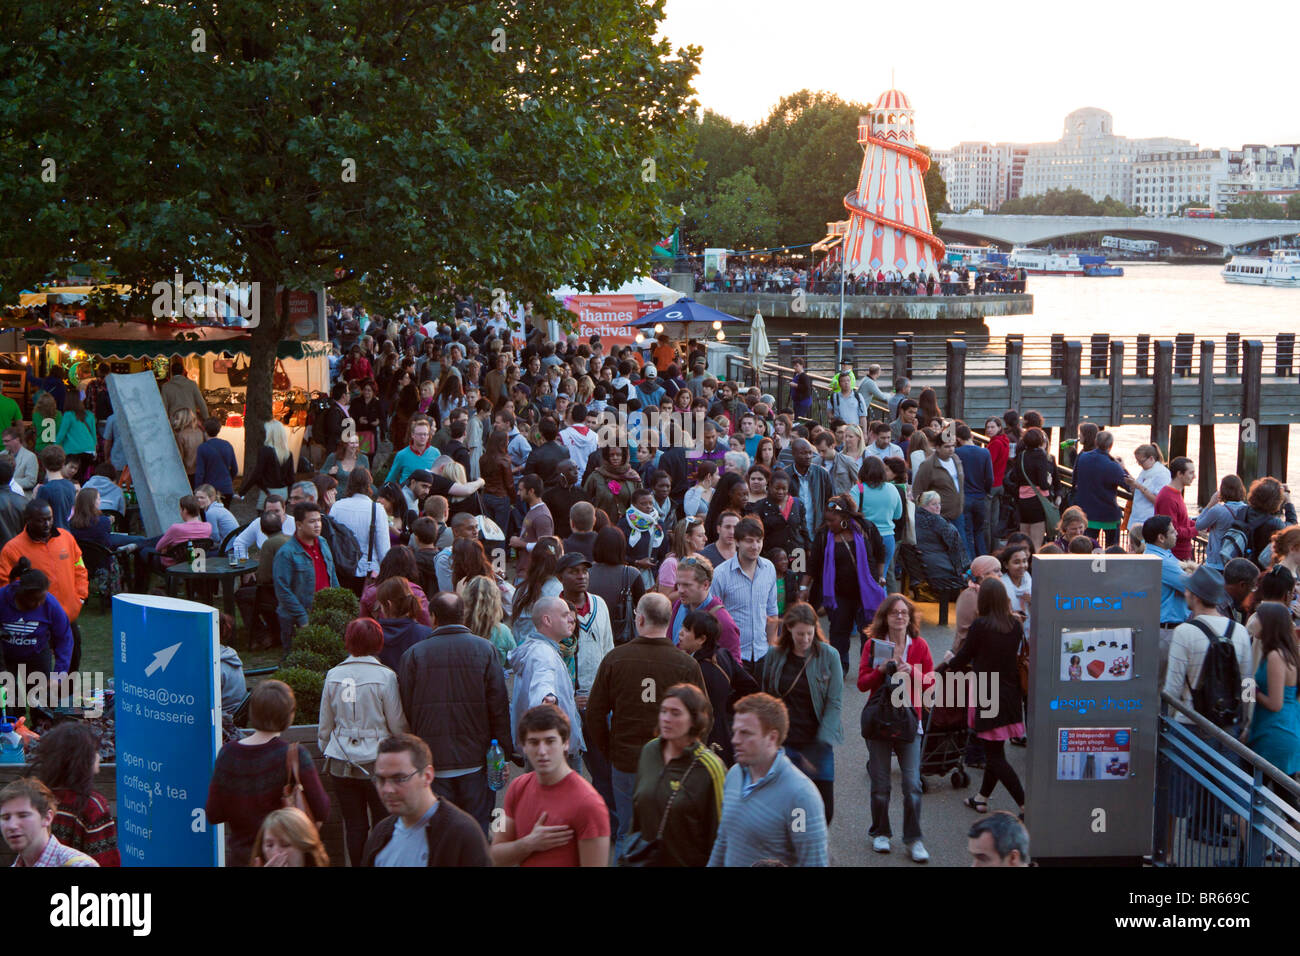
(725, 680)
(404, 776)
(544, 460)
(454, 697)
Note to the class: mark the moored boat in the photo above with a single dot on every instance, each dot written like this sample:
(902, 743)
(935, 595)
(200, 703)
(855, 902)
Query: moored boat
(1281, 267)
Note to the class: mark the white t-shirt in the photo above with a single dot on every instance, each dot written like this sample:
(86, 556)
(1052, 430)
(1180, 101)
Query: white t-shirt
(1152, 479)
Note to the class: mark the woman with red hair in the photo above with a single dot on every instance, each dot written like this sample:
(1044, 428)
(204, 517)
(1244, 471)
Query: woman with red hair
(359, 706)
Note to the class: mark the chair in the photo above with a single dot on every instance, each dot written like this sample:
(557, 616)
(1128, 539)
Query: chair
(226, 541)
(103, 570)
(180, 554)
(116, 516)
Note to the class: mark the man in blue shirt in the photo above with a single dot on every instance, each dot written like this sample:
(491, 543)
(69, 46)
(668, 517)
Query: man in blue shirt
(746, 586)
(215, 463)
(1160, 536)
(977, 485)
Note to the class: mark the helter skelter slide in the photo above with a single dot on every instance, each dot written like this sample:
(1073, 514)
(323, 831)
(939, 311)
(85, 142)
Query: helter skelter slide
(889, 221)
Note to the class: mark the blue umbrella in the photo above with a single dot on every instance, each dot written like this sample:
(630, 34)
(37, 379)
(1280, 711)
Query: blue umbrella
(685, 310)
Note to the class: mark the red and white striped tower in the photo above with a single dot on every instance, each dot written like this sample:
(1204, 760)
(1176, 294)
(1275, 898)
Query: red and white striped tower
(889, 221)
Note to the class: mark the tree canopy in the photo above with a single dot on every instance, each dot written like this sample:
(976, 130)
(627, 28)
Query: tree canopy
(1066, 202)
(805, 154)
(395, 150)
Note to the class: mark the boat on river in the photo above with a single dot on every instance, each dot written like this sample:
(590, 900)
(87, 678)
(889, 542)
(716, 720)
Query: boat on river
(1281, 267)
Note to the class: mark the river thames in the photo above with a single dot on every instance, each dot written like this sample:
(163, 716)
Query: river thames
(1161, 300)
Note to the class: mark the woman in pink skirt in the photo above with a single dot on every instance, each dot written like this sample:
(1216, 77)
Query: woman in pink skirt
(991, 646)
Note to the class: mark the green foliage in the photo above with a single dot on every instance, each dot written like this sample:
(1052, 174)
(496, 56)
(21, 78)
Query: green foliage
(739, 213)
(320, 640)
(936, 191)
(1293, 206)
(1066, 202)
(307, 688)
(372, 148)
(336, 621)
(1257, 206)
(334, 599)
(307, 660)
(805, 156)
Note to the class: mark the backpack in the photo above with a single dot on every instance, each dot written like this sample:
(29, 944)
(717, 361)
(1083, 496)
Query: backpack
(1238, 540)
(347, 552)
(1217, 696)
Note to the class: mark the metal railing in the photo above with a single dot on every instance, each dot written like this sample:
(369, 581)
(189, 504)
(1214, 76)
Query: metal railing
(1218, 803)
(1043, 356)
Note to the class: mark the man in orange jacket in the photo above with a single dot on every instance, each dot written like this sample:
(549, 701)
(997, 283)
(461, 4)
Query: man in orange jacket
(56, 552)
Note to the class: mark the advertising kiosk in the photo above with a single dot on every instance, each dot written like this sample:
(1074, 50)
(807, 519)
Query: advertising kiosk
(1094, 702)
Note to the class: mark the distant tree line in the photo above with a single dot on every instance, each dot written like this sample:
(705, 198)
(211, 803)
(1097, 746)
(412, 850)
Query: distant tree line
(1066, 202)
(780, 182)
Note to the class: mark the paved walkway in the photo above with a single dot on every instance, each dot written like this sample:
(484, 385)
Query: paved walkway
(944, 820)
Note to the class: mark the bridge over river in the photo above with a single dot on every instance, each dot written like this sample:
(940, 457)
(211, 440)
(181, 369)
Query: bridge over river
(1038, 230)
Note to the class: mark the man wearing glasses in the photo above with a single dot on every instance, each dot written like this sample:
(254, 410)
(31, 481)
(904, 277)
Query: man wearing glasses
(421, 829)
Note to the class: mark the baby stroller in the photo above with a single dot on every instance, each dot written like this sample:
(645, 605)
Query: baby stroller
(944, 746)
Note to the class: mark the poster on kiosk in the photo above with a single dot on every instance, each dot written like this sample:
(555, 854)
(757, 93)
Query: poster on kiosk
(1094, 705)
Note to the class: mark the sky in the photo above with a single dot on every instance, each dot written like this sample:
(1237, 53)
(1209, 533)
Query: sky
(1010, 70)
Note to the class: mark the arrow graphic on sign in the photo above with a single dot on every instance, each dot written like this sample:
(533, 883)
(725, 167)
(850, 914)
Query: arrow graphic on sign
(161, 659)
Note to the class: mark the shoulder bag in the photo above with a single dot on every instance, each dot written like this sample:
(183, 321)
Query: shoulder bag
(628, 629)
(647, 853)
(293, 797)
(882, 720)
(237, 374)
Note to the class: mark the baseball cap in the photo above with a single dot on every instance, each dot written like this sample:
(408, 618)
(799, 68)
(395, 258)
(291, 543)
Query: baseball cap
(572, 560)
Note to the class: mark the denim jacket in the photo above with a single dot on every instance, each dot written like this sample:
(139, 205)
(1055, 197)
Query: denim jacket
(295, 579)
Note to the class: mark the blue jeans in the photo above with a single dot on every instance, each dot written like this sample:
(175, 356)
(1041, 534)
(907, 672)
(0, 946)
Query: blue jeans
(624, 786)
(890, 544)
(879, 753)
(974, 527)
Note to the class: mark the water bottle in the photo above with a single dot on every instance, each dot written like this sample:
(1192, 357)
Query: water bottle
(11, 744)
(496, 766)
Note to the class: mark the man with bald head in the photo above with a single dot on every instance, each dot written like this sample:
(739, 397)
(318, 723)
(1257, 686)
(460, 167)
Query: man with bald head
(623, 708)
(454, 696)
(809, 483)
(541, 676)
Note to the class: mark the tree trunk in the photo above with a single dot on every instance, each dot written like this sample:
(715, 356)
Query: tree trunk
(266, 338)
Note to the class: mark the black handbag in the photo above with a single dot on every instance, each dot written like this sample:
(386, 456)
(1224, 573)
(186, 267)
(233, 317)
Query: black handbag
(238, 374)
(882, 719)
(643, 852)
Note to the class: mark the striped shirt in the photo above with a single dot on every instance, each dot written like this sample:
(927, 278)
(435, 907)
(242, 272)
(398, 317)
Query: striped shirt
(778, 817)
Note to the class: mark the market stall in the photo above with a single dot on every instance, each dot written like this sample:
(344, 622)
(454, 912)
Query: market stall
(216, 358)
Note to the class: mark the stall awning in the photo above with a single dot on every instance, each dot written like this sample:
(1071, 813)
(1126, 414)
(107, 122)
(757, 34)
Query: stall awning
(138, 341)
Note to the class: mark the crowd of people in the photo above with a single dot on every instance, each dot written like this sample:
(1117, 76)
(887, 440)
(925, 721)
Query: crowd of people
(825, 279)
(641, 584)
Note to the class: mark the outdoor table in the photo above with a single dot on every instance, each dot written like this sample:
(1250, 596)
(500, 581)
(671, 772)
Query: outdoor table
(223, 571)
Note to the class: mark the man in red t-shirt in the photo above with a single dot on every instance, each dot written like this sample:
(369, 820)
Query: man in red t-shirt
(1170, 502)
(553, 816)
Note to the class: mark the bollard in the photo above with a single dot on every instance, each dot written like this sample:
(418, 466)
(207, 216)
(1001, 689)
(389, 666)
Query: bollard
(1249, 438)
(1164, 382)
(1183, 343)
(1143, 357)
(1070, 379)
(955, 379)
(1097, 360)
(1285, 354)
(1016, 368)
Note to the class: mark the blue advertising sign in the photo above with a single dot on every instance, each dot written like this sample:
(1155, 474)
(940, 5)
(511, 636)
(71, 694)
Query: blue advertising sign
(167, 704)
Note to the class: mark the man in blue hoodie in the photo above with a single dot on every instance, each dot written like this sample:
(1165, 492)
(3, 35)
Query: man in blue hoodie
(34, 630)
